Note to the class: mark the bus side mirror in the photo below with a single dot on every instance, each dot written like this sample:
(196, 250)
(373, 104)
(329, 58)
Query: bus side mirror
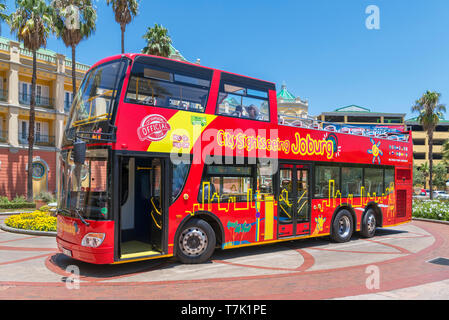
(79, 151)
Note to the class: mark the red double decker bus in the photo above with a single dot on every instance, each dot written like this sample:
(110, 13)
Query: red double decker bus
(164, 158)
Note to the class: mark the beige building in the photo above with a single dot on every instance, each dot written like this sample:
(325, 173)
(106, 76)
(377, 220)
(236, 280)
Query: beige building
(362, 116)
(53, 101)
(290, 105)
(421, 142)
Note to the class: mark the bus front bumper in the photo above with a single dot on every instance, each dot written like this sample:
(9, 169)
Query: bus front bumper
(101, 255)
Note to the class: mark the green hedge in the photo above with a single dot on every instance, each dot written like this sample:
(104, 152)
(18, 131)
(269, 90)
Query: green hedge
(18, 205)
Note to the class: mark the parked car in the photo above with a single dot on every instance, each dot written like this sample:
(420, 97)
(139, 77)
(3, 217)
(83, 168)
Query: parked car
(423, 195)
(440, 195)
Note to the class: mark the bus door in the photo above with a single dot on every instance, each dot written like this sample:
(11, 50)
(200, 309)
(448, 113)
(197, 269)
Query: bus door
(294, 200)
(143, 212)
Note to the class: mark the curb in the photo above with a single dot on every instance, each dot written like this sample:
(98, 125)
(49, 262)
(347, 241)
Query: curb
(13, 213)
(431, 220)
(29, 232)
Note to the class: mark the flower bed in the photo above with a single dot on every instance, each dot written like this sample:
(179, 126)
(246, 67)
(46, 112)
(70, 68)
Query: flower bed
(37, 220)
(431, 209)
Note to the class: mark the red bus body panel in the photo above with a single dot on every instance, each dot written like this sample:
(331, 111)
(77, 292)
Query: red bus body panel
(71, 232)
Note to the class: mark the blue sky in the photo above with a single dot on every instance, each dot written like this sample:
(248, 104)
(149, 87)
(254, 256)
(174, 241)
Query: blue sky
(320, 48)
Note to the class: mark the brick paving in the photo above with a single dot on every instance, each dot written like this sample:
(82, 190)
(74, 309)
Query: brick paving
(306, 269)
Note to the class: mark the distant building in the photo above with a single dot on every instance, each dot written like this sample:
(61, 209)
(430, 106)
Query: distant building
(421, 142)
(353, 114)
(289, 105)
(53, 101)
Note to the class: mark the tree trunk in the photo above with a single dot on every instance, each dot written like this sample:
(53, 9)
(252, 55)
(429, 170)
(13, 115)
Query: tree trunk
(73, 72)
(430, 136)
(31, 132)
(122, 27)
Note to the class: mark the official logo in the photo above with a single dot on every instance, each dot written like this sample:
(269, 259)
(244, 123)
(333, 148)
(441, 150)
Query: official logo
(153, 128)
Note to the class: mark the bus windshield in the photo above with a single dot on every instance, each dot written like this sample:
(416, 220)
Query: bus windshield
(84, 188)
(97, 93)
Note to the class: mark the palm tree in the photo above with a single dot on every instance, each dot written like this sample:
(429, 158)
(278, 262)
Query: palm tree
(125, 11)
(424, 168)
(74, 20)
(445, 152)
(31, 22)
(430, 112)
(158, 41)
(3, 16)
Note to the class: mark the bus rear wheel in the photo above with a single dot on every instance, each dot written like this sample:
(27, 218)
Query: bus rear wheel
(342, 227)
(196, 242)
(369, 224)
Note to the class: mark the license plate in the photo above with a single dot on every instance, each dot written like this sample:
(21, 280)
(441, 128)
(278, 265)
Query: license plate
(67, 252)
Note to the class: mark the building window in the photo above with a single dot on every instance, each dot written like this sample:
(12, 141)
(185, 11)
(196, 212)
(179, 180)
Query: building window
(38, 170)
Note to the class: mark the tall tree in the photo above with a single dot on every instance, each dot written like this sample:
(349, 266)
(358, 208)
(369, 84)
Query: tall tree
(158, 41)
(31, 22)
(125, 11)
(3, 15)
(430, 112)
(74, 20)
(445, 152)
(424, 169)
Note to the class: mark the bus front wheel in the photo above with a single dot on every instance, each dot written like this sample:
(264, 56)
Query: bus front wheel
(342, 227)
(196, 242)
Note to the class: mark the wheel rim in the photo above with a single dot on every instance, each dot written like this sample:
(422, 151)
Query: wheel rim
(344, 226)
(371, 223)
(193, 241)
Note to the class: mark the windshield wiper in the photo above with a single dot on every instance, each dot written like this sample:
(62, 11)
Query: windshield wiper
(81, 217)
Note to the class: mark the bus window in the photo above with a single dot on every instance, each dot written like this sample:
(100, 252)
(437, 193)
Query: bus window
(167, 88)
(351, 181)
(180, 172)
(374, 181)
(227, 182)
(389, 180)
(327, 181)
(97, 93)
(242, 102)
(265, 178)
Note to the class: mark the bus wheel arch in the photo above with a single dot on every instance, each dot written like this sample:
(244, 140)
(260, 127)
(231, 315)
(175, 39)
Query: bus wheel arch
(344, 215)
(210, 219)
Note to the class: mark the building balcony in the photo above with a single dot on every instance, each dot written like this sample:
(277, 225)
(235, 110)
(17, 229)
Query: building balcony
(44, 102)
(39, 139)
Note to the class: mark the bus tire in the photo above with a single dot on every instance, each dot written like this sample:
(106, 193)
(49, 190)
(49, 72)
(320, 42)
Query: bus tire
(196, 242)
(342, 226)
(368, 224)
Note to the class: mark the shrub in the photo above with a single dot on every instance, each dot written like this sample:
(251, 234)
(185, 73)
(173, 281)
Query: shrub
(19, 199)
(431, 209)
(4, 199)
(18, 205)
(37, 220)
(45, 196)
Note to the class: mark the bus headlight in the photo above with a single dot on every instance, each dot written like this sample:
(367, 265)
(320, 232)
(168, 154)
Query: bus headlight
(93, 240)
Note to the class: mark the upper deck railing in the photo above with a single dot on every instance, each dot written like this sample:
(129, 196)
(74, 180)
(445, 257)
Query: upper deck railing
(310, 123)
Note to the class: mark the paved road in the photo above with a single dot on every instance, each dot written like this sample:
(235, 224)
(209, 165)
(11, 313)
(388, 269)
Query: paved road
(392, 265)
